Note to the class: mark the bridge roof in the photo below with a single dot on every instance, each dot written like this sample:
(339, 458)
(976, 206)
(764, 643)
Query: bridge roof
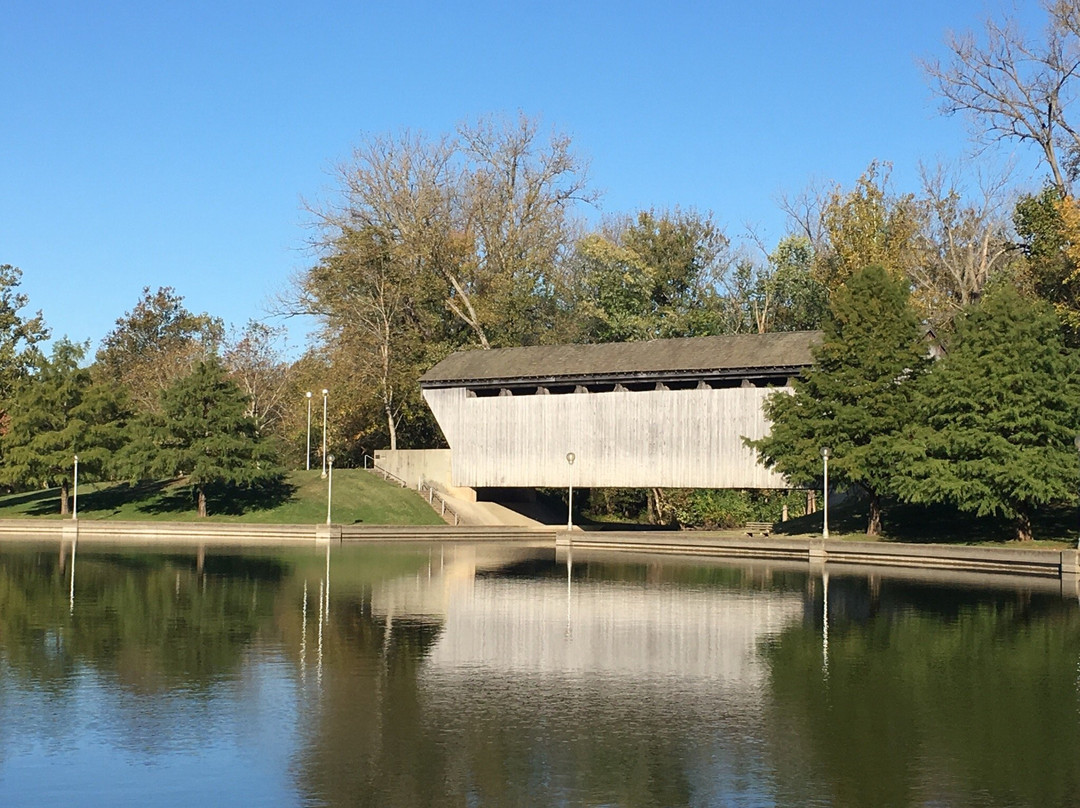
(734, 354)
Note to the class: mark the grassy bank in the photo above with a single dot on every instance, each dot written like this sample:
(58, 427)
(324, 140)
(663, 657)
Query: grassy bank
(359, 497)
(1054, 526)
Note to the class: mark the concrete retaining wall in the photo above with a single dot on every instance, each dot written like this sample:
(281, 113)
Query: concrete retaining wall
(927, 556)
(232, 533)
(431, 466)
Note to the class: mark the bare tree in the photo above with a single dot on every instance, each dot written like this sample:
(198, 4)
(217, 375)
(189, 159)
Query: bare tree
(1013, 88)
(519, 191)
(487, 211)
(806, 212)
(365, 301)
(255, 359)
(964, 240)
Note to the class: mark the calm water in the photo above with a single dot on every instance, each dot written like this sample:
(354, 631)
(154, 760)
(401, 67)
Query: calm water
(477, 676)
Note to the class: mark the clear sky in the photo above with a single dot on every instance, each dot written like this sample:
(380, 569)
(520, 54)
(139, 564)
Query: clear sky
(172, 143)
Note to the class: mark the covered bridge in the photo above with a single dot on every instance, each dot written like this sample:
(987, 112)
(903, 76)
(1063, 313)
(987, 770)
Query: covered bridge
(667, 413)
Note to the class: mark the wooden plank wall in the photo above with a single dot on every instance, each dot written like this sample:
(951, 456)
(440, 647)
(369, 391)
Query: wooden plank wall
(664, 438)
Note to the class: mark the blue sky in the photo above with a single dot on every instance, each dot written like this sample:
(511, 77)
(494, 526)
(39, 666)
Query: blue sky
(172, 144)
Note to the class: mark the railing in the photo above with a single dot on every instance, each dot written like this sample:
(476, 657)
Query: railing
(432, 494)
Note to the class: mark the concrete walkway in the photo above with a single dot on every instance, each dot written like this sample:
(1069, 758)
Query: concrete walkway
(490, 514)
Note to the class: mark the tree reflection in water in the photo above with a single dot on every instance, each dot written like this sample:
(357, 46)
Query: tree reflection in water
(454, 675)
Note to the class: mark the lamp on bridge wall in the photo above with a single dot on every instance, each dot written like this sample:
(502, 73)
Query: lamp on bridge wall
(329, 488)
(825, 453)
(570, 458)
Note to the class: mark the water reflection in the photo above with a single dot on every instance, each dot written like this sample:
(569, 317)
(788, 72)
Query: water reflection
(443, 675)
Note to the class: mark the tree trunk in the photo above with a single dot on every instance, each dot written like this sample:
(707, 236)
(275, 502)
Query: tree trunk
(1023, 527)
(201, 494)
(64, 511)
(873, 525)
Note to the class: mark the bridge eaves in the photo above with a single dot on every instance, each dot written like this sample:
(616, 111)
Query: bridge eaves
(764, 357)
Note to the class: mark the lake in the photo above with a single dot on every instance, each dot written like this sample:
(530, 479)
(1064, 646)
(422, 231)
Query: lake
(506, 675)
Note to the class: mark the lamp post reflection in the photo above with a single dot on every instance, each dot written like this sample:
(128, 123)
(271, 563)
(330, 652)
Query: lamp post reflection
(825, 624)
(570, 457)
(318, 663)
(71, 594)
(326, 611)
(303, 636)
(329, 497)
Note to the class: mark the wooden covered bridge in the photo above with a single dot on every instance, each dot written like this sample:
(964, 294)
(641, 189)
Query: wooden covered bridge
(666, 413)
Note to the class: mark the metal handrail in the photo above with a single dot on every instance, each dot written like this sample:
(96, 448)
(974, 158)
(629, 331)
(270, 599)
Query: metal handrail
(432, 494)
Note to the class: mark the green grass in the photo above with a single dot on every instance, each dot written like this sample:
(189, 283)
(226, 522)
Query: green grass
(359, 498)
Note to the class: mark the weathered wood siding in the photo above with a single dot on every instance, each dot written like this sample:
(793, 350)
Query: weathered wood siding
(671, 439)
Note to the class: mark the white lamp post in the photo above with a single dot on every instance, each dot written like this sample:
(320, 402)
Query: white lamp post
(325, 393)
(75, 498)
(308, 394)
(329, 488)
(825, 453)
(570, 457)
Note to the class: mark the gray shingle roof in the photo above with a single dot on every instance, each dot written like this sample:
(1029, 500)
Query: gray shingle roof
(723, 355)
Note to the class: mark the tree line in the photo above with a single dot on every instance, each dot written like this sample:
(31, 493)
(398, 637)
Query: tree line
(486, 237)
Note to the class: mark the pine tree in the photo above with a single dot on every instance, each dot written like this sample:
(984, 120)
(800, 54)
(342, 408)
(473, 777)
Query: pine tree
(58, 412)
(1000, 413)
(856, 398)
(203, 434)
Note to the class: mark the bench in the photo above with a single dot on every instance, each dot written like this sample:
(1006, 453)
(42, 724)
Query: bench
(759, 528)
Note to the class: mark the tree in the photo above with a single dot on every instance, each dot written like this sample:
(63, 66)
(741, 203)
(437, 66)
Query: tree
(1020, 90)
(258, 365)
(203, 434)
(155, 343)
(963, 242)
(867, 226)
(485, 214)
(59, 412)
(19, 335)
(1046, 243)
(520, 193)
(376, 320)
(784, 295)
(856, 398)
(655, 276)
(999, 414)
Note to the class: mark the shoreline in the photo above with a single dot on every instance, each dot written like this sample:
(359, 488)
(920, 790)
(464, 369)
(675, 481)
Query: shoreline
(1037, 562)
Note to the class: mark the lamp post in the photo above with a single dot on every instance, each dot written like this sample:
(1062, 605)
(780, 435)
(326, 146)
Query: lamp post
(308, 394)
(570, 457)
(75, 493)
(325, 393)
(1076, 443)
(329, 488)
(825, 452)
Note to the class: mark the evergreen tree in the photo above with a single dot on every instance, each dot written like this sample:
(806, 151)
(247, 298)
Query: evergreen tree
(1000, 413)
(856, 398)
(204, 435)
(59, 412)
